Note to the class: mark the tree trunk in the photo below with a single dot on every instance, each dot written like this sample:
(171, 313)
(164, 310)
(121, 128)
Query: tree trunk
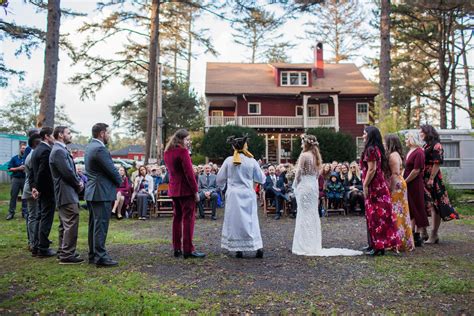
(385, 62)
(153, 59)
(51, 59)
(408, 118)
(453, 80)
(443, 72)
(190, 38)
(466, 78)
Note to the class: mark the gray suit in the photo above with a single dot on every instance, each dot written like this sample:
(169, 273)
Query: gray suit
(207, 184)
(99, 194)
(67, 185)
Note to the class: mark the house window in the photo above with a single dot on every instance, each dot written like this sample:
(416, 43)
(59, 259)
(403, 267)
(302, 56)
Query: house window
(451, 154)
(360, 146)
(217, 113)
(362, 113)
(312, 110)
(294, 78)
(299, 110)
(254, 108)
(323, 109)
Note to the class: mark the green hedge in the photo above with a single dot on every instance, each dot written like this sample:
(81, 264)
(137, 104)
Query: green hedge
(333, 145)
(214, 143)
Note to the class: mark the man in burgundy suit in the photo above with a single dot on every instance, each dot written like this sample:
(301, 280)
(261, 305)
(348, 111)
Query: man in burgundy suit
(183, 190)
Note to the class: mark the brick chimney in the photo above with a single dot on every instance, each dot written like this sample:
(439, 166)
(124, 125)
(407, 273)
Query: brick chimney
(319, 61)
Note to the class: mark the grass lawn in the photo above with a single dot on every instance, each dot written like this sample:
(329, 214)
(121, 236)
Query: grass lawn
(432, 279)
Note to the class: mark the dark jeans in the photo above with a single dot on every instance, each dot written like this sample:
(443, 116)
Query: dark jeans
(202, 199)
(47, 206)
(354, 198)
(68, 230)
(276, 196)
(33, 222)
(99, 218)
(17, 187)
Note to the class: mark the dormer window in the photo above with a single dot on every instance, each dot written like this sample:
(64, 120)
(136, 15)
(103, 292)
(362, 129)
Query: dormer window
(294, 78)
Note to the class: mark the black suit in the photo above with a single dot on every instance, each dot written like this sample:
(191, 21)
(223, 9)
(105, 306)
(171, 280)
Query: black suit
(41, 180)
(99, 193)
(270, 190)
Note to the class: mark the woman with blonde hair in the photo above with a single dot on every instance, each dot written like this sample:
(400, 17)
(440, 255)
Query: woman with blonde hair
(353, 187)
(307, 238)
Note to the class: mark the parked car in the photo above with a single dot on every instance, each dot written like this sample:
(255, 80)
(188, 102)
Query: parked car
(117, 162)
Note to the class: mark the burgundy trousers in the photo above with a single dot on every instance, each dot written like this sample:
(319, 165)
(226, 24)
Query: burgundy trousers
(184, 215)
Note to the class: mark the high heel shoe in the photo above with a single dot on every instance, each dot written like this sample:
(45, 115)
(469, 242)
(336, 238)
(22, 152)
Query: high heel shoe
(376, 252)
(434, 239)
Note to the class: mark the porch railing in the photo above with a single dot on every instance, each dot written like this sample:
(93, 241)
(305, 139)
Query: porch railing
(271, 121)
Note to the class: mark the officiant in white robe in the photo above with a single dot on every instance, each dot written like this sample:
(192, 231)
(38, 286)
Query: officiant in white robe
(241, 229)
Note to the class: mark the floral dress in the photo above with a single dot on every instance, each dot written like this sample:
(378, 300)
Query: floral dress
(381, 220)
(402, 211)
(436, 197)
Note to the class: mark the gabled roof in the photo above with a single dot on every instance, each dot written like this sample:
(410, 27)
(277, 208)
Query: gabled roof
(129, 149)
(240, 78)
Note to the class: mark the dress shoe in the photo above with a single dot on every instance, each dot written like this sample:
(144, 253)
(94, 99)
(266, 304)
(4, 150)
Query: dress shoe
(214, 218)
(201, 216)
(418, 240)
(10, 216)
(106, 263)
(178, 253)
(433, 239)
(72, 260)
(46, 253)
(194, 254)
(366, 248)
(259, 253)
(34, 252)
(293, 215)
(277, 216)
(239, 254)
(376, 252)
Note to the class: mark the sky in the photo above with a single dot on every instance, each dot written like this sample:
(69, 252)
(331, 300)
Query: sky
(85, 113)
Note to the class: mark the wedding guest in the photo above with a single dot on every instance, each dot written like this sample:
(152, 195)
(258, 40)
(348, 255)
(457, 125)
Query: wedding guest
(353, 188)
(183, 190)
(378, 204)
(414, 166)
(123, 194)
(334, 191)
(142, 192)
(207, 191)
(16, 166)
(398, 192)
(344, 172)
(99, 193)
(67, 185)
(42, 188)
(275, 189)
(436, 196)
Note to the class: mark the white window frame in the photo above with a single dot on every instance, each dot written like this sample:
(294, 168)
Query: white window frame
(259, 108)
(288, 83)
(296, 111)
(357, 113)
(456, 159)
(315, 111)
(220, 112)
(324, 106)
(361, 140)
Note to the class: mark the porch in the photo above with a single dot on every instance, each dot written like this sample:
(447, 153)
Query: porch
(272, 121)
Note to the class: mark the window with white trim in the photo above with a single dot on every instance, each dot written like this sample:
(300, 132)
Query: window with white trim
(452, 157)
(362, 112)
(299, 110)
(323, 109)
(217, 113)
(254, 108)
(360, 146)
(294, 78)
(312, 110)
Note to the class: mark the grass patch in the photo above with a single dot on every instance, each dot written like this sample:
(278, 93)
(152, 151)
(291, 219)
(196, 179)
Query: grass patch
(4, 191)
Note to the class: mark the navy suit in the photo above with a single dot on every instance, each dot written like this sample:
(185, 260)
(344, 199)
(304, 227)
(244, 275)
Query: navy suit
(103, 179)
(270, 191)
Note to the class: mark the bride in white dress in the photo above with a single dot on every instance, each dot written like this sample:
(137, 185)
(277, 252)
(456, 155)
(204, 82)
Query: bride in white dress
(307, 238)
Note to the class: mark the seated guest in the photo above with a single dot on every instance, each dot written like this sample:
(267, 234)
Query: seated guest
(353, 188)
(165, 175)
(290, 192)
(334, 165)
(142, 191)
(275, 188)
(123, 194)
(80, 174)
(157, 179)
(334, 191)
(344, 172)
(207, 191)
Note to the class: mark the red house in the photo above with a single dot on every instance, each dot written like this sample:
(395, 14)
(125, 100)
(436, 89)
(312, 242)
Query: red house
(77, 150)
(282, 100)
(133, 152)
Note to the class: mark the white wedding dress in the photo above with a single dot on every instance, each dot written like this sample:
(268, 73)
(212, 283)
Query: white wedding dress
(307, 239)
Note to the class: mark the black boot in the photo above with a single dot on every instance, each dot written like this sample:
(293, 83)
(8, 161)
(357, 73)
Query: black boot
(418, 240)
(239, 254)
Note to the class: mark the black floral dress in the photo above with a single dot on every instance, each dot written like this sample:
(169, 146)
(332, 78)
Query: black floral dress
(436, 197)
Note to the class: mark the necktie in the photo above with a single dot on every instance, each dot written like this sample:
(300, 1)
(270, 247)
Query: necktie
(207, 180)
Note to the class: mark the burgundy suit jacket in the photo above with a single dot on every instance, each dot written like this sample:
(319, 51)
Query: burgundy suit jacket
(181, 173)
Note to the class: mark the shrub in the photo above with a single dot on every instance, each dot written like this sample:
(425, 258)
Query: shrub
(198, 159)
(453, 193)
(333, 145)
(214, 143)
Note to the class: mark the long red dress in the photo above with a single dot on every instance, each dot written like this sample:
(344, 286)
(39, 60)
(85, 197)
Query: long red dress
(416, 188)
(381, 220)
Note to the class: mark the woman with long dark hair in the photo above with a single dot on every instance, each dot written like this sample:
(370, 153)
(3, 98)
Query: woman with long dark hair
(381, 221)
(436, 197)
(398, 192)
(183, 189)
